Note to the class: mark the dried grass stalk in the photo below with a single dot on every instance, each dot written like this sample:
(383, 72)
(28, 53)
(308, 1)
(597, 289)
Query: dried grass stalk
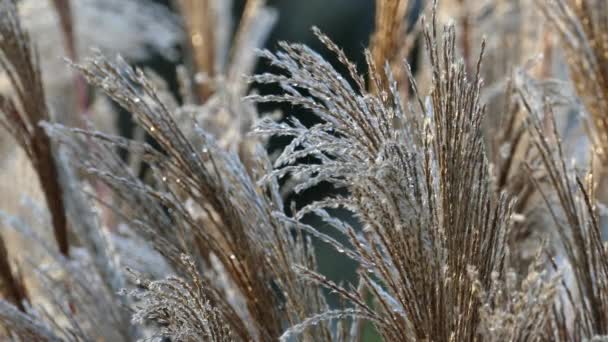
(11, 286)
(201, 17)
(21, 114)
(582, 26)
(389, 43)
(581, 312)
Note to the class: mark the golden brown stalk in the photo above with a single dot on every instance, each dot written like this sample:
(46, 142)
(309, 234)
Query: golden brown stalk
(200, 23)
(388, 42)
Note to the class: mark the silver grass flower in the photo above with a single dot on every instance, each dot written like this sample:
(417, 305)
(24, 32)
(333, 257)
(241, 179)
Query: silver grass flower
(417, 180)
(463, 226)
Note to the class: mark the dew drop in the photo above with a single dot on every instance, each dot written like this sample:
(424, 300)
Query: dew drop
(107, 83)
(515, 217)
(200, 77)
(505, 150)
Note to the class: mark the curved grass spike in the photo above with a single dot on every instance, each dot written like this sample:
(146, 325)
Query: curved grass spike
(21, 115)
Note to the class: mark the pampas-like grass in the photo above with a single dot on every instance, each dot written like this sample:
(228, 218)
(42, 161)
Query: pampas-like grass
(443, 179)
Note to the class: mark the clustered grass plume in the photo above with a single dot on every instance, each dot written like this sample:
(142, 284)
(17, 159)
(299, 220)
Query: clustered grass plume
(473, 212)
(417, 179)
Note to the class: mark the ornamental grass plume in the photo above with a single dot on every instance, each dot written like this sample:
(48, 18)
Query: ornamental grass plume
(469, 210)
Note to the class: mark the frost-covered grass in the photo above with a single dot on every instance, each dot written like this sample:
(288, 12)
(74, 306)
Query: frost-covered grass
(471, 209)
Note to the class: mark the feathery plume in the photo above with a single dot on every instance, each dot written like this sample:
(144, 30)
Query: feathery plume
(421, 189)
